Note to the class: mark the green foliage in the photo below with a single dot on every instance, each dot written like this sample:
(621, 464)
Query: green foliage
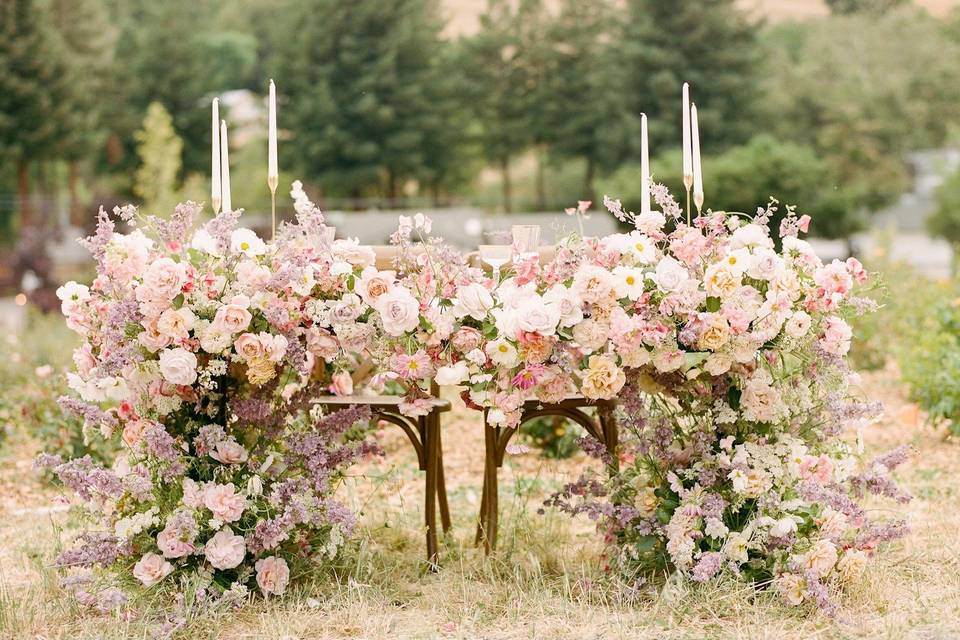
(366, 93)
(713, 46)
(945, 221)
(932, 366)
(159, 149)
(862, 90)
(31, 375)
(843, 7)
(555, 437)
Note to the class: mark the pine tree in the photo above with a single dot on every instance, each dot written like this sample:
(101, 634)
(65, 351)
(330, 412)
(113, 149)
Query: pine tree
(159, 150)
(501, 87)
(88, 40)
(33, 89)
(583, 111)
(358, 82)
(710, 44)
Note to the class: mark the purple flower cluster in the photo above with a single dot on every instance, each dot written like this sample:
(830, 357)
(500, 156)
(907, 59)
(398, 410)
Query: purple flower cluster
(94, 549)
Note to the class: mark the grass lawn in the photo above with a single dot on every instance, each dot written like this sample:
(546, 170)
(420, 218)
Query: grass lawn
(546, 580)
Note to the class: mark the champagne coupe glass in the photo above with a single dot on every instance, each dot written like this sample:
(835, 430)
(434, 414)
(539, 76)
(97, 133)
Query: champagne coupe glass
(495, 255)
(526, 239)
(329, 234)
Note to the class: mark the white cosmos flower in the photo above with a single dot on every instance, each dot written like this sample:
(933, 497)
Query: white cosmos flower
(628, 282)
(502, 353)
(247, 242)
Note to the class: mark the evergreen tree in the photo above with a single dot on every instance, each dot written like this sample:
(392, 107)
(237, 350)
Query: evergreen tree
(88, 40)
(583, 112)
(501, 87)
(33, 93)
(358, 81)
(159, 150)
(710, 44)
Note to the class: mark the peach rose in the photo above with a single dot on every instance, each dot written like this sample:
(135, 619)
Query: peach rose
(151, 569)
(225, 550)
(272, 575)
(591, 334)
(821, 557)
(322, 344)
(133, 431)
(248, 346)
(466, 339)
(224, 501)
(233, 317)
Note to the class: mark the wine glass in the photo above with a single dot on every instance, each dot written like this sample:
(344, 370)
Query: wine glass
(495, 255)
(329, 234)
(526, 239)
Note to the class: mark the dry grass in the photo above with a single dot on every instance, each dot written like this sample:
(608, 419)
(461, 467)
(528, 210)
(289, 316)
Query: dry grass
(546, 581)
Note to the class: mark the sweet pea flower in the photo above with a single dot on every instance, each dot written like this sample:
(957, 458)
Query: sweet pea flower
(341, 384)
(452, 374)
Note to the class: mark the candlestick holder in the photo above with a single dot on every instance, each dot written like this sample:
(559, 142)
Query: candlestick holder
(215, 203)
(272, 182)
(688, 185)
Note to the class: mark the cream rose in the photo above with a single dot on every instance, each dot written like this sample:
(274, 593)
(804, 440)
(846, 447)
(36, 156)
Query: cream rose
(602, 379)
(591, 334)
(229, 452)
(473, 300)
(225, 550)
(178, 366)
(232, 317)
(821, 557)
(176, 323)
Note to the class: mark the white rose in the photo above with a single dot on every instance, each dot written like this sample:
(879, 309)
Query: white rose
(670, 275)
(452, 374)
(473, 300)
(535, 316)
(567, 300)
(178, 366)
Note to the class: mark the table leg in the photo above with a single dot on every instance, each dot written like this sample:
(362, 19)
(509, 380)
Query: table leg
(441, 481)
(430, 502)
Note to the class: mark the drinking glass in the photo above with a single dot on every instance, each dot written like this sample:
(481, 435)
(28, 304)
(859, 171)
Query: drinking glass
(526, 239)
(495, 255)
(329, 234)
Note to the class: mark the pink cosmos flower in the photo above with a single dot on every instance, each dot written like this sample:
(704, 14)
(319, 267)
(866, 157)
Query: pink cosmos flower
(530, 376)
(413, 367)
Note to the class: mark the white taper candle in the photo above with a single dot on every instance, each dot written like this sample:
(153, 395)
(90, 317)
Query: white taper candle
(225, 168)
(644, 166)
(215, 189)
(697, 170)
(273, 173)
(687, 162)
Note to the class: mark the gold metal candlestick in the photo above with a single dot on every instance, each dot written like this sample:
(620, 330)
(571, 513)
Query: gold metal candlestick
(688, 185)
(698, 202)
(272, 182)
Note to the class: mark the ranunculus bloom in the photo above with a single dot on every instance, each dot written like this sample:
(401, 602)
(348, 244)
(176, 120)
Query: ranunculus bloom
(225, 550)
(272, 575)
(341, 384)
(151, 569)
(224, 501)
(178, 366)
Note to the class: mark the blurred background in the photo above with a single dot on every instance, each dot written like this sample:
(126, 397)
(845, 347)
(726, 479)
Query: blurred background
(473, 110)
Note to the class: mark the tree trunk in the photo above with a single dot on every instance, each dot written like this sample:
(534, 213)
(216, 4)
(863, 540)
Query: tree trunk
(73, 188)
(588, 180)
(507, 187)
(541, 182)
(23, 194)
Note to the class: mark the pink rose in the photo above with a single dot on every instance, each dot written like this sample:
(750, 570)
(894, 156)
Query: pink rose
(232, 317)
(162, 281)
(178, 366)
(274, 347)
(83, 358)
(153, 339)
(341, 384)
(133, 431)
(466, 339)
(224, 501)
(225, 550)
(171, 546)
(272, 575)
(151, 569)
(229, 452)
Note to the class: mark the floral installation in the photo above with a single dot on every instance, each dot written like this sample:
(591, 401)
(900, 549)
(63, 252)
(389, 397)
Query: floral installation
(736, 400)
(202, 349)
